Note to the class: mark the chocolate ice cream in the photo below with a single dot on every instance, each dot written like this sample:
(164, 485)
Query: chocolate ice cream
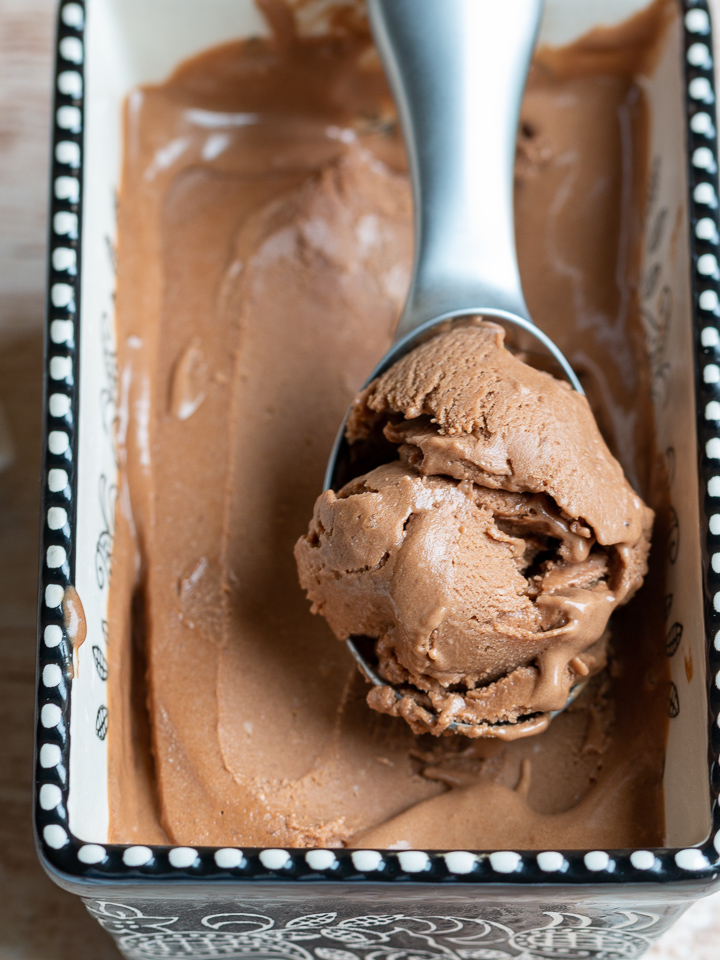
(264, 250)
(487, 560)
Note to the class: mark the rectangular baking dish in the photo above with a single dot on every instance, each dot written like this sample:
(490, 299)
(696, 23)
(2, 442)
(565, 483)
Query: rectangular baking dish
(338, 905)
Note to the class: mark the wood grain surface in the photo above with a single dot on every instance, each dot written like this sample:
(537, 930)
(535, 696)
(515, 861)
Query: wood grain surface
(38, 921)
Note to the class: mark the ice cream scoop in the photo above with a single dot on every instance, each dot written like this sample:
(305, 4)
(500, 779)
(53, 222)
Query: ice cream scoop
(458, 70)
(487, 556)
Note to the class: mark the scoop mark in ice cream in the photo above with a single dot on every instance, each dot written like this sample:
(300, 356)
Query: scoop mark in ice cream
(187, 390)
(486, 561)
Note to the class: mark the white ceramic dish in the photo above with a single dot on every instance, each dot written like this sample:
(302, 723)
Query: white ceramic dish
(107, 47)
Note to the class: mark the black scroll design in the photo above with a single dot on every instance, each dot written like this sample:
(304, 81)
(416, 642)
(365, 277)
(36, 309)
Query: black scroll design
(108, 390)
(673, 638)
(656, 320)
(101, 722)
(655, 294)
(101, 664)
(103, 546)
(667, 604)
(673, 702)
(673, 536)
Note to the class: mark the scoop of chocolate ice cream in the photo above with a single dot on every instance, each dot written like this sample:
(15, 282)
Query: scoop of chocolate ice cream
(485, 562)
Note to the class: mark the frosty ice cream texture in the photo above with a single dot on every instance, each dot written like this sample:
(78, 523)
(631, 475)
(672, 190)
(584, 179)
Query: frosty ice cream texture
(236, 717)
(487, 559)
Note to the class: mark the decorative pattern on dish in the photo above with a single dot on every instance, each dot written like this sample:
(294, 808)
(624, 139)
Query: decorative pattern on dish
(619, 936)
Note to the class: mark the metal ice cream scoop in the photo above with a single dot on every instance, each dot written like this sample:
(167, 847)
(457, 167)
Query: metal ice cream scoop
(457, 69)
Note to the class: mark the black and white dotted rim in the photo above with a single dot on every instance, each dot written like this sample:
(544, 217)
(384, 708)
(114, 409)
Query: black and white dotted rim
(80, 862)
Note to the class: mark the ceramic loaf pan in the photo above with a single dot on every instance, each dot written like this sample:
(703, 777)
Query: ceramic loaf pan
(343, 905)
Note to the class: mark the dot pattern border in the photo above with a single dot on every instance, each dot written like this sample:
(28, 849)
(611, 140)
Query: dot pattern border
(111, 864)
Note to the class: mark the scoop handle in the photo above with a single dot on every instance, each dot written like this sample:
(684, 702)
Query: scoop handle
(457, 69)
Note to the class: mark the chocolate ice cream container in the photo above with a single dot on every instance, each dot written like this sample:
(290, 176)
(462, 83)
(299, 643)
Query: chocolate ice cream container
(298, 904)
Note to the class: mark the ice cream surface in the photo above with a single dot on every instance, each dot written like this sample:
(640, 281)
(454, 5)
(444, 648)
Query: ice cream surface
(264, 250)
(486, 561)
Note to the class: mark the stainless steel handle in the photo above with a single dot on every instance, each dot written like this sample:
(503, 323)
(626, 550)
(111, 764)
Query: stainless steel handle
(457, 69)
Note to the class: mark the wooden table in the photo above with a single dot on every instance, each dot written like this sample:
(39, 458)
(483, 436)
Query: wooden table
(38, 921)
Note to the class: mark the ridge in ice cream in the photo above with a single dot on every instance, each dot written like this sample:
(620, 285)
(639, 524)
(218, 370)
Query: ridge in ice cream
(485, 561)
